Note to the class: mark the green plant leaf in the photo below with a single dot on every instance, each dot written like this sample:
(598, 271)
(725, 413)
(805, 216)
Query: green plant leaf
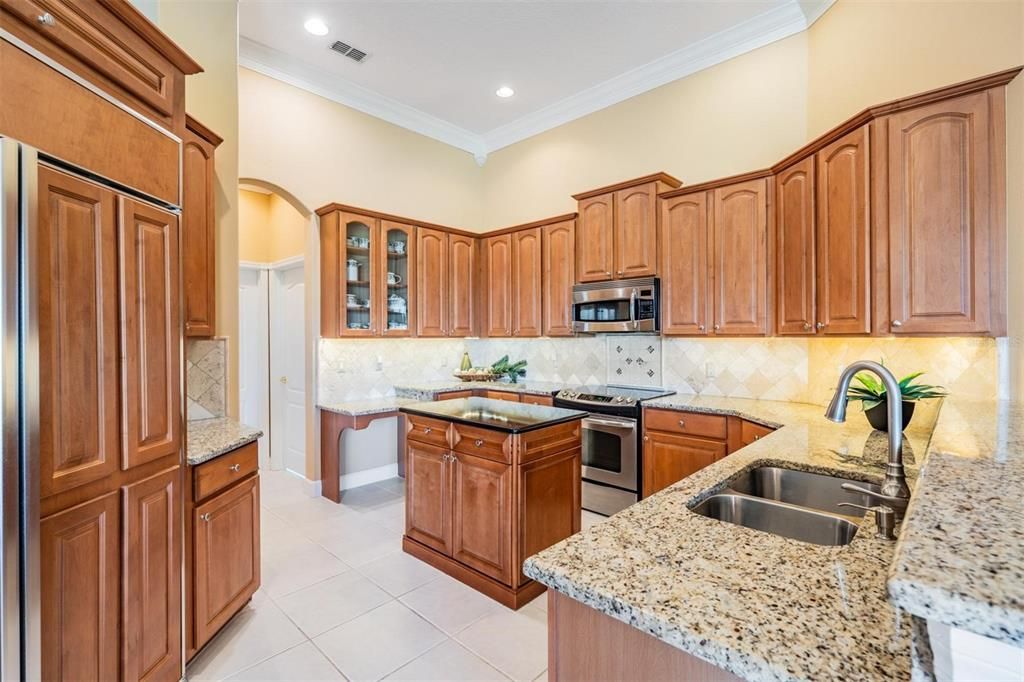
(870, 383)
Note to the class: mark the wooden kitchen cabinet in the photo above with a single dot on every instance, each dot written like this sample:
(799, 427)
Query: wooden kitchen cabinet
(671, 457)
(432, 283)
(946, 212)
(501, 395)
(684, 264)
(616, 231)
(226, 556)
(151, 583)
(537, 399)
(398, 283)
(843, 235)
(497, 283)
(526, 286)
(795, 309)
(461, 285)
(199, 228)
(740, 265)
(80, 582)
(558, 274)
(481, 500)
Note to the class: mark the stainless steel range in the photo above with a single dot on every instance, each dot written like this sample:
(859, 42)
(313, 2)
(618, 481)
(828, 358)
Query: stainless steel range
(612, 451)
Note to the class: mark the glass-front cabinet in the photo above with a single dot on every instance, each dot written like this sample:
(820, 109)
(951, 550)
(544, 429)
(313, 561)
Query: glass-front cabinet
(375, 273)
(398, 245)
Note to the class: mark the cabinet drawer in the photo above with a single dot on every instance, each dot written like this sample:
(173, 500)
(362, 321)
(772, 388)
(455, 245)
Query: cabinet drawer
(88, 34)
(749, 432)
(455, 395)
(537, 399)
(486, 443)
(217, 474)
(672, 421)
(427, 430)
(501, 395)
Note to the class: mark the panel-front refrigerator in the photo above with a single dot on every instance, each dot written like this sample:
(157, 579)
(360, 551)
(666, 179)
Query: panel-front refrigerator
(19, 407)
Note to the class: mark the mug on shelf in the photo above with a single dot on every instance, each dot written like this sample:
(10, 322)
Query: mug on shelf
(394, 278)
(352, 272)
(396, 247)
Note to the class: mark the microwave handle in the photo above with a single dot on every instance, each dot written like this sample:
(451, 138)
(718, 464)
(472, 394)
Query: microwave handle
(632, 307)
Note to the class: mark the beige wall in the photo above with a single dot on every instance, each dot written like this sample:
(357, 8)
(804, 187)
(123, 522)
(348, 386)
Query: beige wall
(321, 152)
(208, 32)
(738, 116)
(269, 228)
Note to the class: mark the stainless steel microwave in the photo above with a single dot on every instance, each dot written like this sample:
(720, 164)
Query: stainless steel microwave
(619, 307)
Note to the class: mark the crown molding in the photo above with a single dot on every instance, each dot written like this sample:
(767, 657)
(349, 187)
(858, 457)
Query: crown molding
(283, 67)
(780, 22)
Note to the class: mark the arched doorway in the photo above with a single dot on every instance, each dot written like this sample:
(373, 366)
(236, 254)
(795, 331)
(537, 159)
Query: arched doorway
(275, 355)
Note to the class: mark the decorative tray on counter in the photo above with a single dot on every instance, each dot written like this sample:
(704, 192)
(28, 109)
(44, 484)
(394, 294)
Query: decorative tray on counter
(477, 374)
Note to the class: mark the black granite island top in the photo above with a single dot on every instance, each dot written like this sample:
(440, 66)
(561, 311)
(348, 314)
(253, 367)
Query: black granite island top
(500, 415)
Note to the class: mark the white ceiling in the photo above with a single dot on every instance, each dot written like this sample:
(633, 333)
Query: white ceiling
(434, 65)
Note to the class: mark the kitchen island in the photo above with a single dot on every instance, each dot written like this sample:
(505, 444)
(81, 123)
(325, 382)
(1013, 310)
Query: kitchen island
(489, 483)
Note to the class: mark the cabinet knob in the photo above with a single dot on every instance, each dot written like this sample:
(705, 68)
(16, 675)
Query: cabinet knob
(647, 438)
(717, 327)
(621, 273)
(820, 325)
(205, 517)
(682, 424)
(427, 429)
(897, 323)
(700, 328)
(608, 273)
(479, 442)
(808, 326)
(235, 468)
(46, 19)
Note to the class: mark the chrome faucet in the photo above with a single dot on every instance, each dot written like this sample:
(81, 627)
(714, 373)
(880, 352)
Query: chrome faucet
(895, 492)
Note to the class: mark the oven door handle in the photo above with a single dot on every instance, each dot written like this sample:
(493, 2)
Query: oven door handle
(629, 425)
(632, 306)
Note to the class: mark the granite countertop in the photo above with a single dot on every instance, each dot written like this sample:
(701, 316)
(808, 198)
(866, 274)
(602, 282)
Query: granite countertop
(430, 390)
(761, 606)
(211, 438)
(358, 408)
(960, 556)
(499, 415)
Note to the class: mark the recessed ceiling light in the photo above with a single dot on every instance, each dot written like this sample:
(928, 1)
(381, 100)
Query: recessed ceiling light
(504, 91)
(316, 26)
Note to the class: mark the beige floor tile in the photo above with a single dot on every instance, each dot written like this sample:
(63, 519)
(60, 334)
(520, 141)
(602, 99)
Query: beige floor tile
(370, 496)
(307, 510)
(541, 602)
(358, 545)
(514, 642)
(320, 607)
(399, 573)
(396, 485)
(254, 635)
(304, 662)
(543, 677)
(379, 642)
(448, 661)
(291, 569)
(591, 519)
(391, 515)
(449, 604)
(348, 521)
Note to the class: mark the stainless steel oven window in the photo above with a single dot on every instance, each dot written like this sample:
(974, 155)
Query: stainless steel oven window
(609, 451)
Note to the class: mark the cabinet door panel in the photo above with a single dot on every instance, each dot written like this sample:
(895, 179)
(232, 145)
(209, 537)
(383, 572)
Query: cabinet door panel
(151, 596)
(80, 428)
(498, 285)
(549, 503)
(461, 272)
(843, 234)
(198, 235)
(80, 576)
(359, 264)
(740, 269)
(594, 239)
(636, 232)
(398, 278)
(669, 458)
(684, 266)
(226, 554)
(482, 515)
(526, 282)
(558, 251)
(794, 220)
(939, 224)
(432, 282)
(151, 333)
(428, 514)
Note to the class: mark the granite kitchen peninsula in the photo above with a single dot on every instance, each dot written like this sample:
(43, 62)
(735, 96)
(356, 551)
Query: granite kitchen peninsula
(489, 483)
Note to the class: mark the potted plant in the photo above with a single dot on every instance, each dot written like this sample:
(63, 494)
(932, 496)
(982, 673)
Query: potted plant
(874, 400)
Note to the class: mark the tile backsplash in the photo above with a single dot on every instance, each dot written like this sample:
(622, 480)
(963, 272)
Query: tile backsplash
(780, 368)
(205, 377)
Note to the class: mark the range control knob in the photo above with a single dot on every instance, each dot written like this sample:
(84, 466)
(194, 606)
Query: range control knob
(618, 398)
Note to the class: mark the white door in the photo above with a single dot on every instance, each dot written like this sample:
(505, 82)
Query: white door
(288, 367)
(253, 349)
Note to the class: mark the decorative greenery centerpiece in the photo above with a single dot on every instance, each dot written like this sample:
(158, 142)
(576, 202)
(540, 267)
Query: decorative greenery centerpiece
(513, 370)
(874, 400)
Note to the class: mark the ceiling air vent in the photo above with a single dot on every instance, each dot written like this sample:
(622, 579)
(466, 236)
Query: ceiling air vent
(353, 53)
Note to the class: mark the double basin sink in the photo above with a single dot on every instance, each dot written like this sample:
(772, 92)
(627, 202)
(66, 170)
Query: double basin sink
(794, 504)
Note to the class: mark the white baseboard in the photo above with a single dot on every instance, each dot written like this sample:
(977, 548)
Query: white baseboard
(367, 476)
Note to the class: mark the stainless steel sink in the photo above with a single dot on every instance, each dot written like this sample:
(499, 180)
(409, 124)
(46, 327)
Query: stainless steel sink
(780, 519)
(814, 491)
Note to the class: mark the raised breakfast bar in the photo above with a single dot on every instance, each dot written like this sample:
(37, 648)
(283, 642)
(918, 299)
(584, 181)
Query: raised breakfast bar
(489, 483)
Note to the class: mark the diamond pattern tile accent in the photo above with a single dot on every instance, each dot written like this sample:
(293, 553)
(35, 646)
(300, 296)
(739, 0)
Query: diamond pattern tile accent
(206, 377)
